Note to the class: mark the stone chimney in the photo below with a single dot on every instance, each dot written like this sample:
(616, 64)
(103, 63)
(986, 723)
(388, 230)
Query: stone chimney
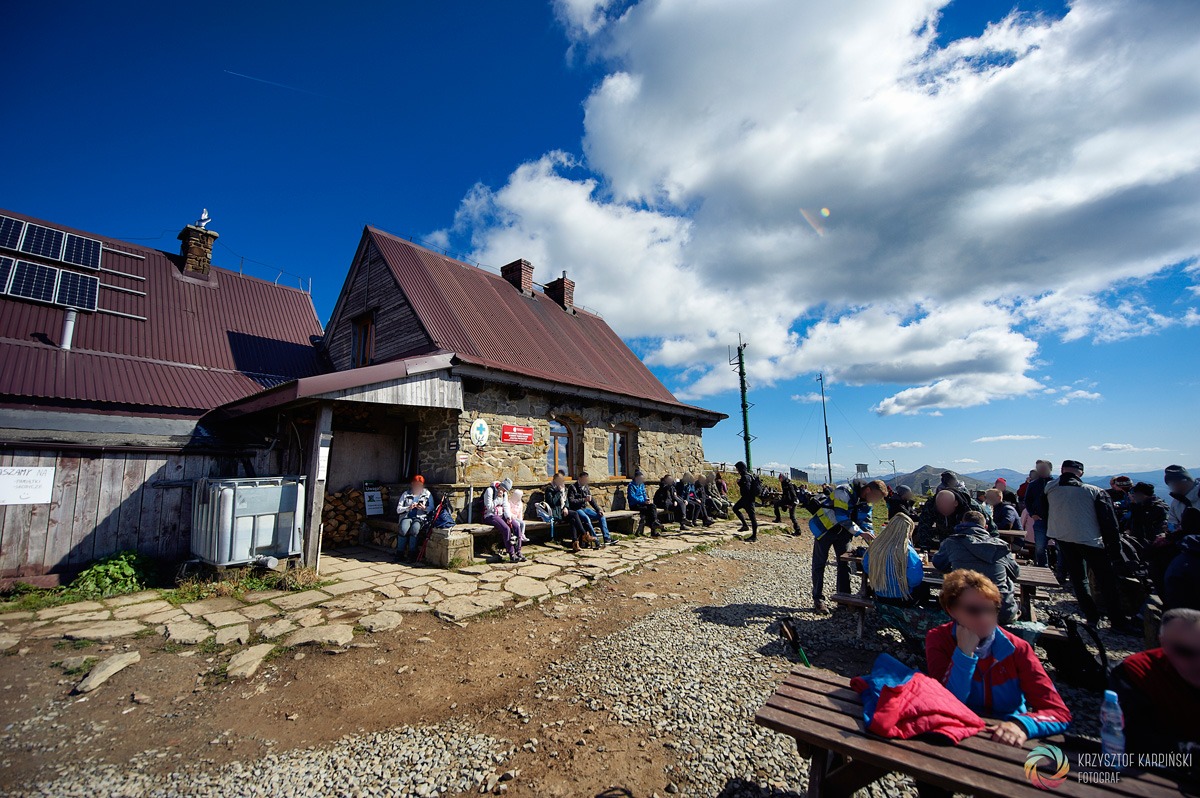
(196, 250)
(562, 291)
(520, 274)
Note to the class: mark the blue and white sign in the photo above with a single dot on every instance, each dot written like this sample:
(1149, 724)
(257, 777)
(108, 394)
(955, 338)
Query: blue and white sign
(480, 432)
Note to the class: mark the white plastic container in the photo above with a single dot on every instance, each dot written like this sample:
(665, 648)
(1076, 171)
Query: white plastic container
(240, 521)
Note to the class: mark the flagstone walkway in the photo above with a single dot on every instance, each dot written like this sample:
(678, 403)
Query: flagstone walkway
(364, 591)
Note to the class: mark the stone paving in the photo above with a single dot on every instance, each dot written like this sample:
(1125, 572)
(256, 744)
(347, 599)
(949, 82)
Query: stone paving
(364, 590)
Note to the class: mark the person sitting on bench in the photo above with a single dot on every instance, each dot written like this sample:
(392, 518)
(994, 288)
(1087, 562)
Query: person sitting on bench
(991, 671)
(639, 500)
(516, 515)
(972, 547)
(556, 499)
(414, 506)
(693, 505)
(898, 576)
(496, 513)
(667, 498)
(581, 501)
(716, 502)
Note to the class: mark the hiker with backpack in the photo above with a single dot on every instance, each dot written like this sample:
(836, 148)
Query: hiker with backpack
(1185, 494)
(787, 501)
(413, 507)
(750, 486)
(837, 520)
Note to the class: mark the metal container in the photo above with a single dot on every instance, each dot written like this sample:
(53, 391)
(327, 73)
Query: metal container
(240, 521)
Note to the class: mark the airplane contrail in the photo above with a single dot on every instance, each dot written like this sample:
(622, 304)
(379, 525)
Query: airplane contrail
(272, 83)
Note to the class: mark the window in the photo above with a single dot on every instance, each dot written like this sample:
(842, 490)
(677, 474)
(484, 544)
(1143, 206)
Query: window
(618, 454)
(558, 453)
(363, 343)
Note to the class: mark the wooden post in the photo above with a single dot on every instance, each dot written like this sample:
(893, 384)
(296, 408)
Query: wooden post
(322, 435)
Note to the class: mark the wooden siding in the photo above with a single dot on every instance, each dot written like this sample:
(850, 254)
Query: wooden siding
(373, 287)
(435, 389)
(106, 502)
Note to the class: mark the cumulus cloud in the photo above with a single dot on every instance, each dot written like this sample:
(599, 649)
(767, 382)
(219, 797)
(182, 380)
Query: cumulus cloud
(1047, 162)
(1077, 396)
(1123, 447)
(807, 398)
(995, 438)
(966, 461)
(902, 445)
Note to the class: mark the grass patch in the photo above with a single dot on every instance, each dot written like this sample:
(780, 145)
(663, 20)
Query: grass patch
(74, 645)
(237, 582)
(79, 670)
(209, 646)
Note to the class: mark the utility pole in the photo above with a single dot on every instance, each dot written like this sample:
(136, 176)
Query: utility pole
(828, 440)
(741, 370)
(893, 463)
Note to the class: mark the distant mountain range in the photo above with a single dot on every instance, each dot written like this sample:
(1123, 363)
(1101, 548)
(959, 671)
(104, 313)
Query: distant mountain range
(978, 480)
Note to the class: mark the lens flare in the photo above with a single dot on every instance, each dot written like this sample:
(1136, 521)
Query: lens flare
(825, 212)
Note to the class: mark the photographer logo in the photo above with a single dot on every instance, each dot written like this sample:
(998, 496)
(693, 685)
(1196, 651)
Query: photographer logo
(1046, 767)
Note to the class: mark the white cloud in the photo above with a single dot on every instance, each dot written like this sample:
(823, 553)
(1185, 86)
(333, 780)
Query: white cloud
(995, 438)
(1076, 396)
(967, 461)
(1124, 447)
(1044, 162)
(774, 466)
(807, 398)
(821, 467)
(902, 445)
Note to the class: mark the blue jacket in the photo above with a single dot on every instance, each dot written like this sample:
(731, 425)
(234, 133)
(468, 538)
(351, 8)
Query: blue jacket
(843, 508)
(999, 684)
(637, 493)
(915, 571)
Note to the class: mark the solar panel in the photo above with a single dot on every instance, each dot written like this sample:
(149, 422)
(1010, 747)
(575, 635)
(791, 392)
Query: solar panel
(10, 232)
(44, 241)
(82, 251)
(77, 290)
(33, 281)
(6, 265)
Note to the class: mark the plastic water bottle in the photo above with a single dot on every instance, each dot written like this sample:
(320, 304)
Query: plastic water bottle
(1112, 728)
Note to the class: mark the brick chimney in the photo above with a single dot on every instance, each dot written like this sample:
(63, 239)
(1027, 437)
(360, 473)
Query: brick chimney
(196, 250)
(520, 274)
(562, 291)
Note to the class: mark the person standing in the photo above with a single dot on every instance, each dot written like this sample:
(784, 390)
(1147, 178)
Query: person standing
(901, 502)
(787, 500)
(749, 486)
(1185, 494)
(1147, 525)
(1035, 505)
(844, 515)
(1081, 521)
(413, 508)
(639, 500)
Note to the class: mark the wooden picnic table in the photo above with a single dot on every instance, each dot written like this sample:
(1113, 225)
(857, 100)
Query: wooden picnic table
(1028, 581)
(824, 715)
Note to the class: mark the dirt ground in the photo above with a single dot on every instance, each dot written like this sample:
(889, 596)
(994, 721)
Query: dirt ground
(493, 663)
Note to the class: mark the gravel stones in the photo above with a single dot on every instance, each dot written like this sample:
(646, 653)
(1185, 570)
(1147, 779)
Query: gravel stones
(244, 664)
(106, 669)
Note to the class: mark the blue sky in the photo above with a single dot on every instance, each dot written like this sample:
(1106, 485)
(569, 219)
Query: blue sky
(1012, 199)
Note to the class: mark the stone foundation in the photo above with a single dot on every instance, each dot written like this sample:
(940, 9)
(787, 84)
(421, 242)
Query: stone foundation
(450, 546)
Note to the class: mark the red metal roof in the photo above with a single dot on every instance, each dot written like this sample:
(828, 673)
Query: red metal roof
(484, 320)
(202, 344)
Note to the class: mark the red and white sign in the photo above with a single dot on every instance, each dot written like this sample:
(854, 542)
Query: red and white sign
(511, 433)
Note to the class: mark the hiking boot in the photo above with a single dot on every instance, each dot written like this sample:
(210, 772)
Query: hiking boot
(753, 538)
(820, 607)
(595, 544)
(709, 522)
(655, 533)
(575, 546)
(743, 528)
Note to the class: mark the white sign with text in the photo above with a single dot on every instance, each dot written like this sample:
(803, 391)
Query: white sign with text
(26, 485)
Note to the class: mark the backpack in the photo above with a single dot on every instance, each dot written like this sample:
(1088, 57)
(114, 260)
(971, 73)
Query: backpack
(1131, 561)
(1072, 660)
(756, 486)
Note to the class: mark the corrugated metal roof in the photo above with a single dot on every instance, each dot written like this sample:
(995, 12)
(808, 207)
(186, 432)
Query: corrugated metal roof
(202, 344)
(484, 320)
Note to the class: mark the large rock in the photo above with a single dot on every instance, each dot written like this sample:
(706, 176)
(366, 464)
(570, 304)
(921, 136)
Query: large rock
(381, 621)
(270, 631)
(188, 632)
(105, 630)
(106, 669)
(539, 571)
(334, 634)
(525, 587)
(141, 609)
(51, 613)
(244, 664)
(8, 641)
(233, 634)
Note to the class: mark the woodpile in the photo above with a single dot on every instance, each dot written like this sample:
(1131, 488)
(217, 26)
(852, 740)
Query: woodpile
(343, 516)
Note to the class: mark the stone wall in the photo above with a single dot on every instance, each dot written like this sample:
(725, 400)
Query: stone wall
(436, 428)
(659, 444)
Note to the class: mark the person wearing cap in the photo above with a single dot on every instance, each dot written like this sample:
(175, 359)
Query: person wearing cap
(1147, 524)
(639, 500)
(1081, 521)
(497, 513)
(414, 506)
(1118, 493)
(1184, 491)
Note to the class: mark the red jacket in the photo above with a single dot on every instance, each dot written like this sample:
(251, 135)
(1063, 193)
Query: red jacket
(1009, 683)
(900, 702)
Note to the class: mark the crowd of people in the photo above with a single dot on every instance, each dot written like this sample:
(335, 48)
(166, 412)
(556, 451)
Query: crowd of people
(1125, 553)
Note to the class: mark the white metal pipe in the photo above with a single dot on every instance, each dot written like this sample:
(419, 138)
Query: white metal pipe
(68, 329)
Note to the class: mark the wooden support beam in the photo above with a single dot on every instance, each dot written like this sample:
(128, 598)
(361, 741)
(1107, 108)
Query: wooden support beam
(318, 462)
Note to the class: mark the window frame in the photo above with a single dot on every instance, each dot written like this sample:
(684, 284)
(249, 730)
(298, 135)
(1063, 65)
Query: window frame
(362, 352)
(619, 451)
(553, 464)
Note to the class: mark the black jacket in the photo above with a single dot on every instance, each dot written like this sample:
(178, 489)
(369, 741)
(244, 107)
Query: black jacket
(787, 494)
(665, 496)
(933, 527)
(1035, 497)
(1148, 520)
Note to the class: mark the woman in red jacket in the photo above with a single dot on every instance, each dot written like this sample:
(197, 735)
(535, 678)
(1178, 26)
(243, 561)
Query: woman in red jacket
(988, 669)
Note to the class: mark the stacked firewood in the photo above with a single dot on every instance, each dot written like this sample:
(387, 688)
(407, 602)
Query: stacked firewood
(343, 515)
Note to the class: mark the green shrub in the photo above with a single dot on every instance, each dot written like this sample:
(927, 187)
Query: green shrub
(125, 572)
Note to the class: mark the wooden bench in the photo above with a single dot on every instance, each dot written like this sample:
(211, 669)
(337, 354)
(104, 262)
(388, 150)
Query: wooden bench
(859, 604)
(824, 715)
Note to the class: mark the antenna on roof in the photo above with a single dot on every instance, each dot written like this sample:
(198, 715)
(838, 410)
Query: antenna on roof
(204, 219)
